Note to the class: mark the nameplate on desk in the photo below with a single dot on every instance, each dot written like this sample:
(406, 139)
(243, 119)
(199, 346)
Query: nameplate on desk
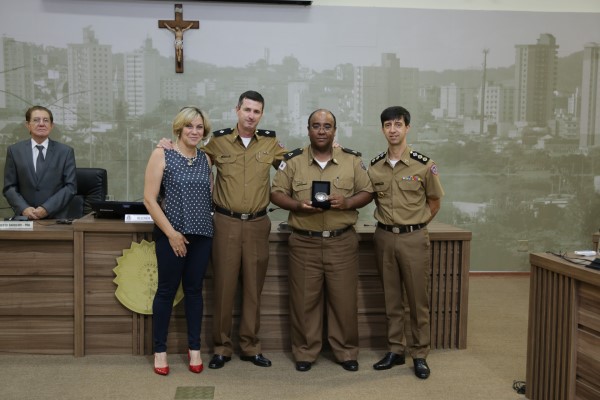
(16, 225)
(138, 218)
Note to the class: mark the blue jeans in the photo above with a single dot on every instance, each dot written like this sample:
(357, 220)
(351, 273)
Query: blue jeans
(172, 270)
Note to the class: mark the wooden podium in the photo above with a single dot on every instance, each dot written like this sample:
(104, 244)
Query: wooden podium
(563, 345)
(57, 294)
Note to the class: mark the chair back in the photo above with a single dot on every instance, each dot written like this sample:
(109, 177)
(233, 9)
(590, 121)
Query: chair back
(92, 185)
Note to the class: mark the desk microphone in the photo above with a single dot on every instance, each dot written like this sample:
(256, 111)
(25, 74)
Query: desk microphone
(17, 218)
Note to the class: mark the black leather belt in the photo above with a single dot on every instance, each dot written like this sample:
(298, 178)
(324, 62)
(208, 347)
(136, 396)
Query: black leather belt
(242, 216)
(324, 234)
(401, 228)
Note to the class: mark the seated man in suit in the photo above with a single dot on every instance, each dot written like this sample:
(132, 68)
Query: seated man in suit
(39, 175)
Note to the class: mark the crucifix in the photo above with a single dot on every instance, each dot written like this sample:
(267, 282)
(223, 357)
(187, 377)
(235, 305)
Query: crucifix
(178, 26)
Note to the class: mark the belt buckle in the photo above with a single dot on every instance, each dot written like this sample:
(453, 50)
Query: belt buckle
(395, 229)
(326, 234)
(244, 217)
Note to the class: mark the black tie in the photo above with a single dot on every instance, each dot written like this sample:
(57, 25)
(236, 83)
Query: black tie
(39, 164)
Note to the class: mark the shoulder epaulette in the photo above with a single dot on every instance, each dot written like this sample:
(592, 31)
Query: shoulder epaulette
(419, 157)
(380, 157)
(350, 151)
(293, 153)
(263, 132)
(222, 132)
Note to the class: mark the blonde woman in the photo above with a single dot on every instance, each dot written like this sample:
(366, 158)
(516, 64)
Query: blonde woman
(183, 232)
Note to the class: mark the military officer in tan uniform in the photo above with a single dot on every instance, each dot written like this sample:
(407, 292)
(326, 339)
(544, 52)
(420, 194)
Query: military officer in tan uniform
(408, 195)
(323, 269)
(243, 157)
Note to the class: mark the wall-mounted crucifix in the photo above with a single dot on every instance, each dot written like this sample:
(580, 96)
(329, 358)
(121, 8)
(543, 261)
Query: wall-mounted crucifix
(178, 26)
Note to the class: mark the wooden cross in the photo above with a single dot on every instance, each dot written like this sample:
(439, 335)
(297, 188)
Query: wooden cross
(178, 26)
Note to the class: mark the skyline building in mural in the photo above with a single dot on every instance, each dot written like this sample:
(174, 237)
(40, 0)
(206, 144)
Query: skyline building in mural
(590, 91)
(535, 81)
(515, 143)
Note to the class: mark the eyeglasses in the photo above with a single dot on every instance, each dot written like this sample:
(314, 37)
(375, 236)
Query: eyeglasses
(39, 121)
(318, 127)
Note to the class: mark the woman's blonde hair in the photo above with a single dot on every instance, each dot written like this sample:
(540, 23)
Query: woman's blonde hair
(185, 116)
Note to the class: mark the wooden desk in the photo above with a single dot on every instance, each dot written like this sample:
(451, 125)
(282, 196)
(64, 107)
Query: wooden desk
(94, 322)
(102, 324)
(105, 326)
(36, 289)
(563, 345)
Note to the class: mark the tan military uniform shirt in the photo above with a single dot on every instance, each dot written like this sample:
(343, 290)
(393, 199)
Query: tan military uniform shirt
(243, 174)
(402, 191)
(347, 175)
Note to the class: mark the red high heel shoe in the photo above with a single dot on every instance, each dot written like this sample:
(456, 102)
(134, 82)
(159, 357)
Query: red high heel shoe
(161, 370)
(195, 368)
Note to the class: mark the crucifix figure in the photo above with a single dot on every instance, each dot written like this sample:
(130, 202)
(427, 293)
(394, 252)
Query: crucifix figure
(178, 26)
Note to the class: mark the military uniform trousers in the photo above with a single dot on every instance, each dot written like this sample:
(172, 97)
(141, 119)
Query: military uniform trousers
(403, 260)
(324, 269)
(239, 247)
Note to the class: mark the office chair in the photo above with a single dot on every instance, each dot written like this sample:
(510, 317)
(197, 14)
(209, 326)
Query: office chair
(92, 185)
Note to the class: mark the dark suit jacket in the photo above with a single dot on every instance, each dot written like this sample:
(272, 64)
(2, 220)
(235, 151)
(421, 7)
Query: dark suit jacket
(53, 190)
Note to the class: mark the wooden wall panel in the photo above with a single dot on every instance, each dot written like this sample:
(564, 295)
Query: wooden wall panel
(36, 290)
(100, 297)
(36, 334)
(109, 335)
(35, 257)
(36, 296)
(102, 250)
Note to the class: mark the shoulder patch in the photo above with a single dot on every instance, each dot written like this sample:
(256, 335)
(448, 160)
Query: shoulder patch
(267, 133)
(293, 153)
(222, 132)
(350, 151)
(380, 157)
(419, 157)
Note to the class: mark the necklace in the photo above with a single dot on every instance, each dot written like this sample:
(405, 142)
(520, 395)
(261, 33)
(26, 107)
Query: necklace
(190, 160)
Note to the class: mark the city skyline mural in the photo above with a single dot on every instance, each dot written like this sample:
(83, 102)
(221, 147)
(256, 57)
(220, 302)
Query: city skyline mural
(504, 102)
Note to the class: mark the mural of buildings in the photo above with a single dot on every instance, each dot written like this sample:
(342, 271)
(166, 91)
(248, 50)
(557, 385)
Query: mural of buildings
(590, 90)
(142, 88)
(16, 81)
(535, 80)
(541, 120)
(90, 71)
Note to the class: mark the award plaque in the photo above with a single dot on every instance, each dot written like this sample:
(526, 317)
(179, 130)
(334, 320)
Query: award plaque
(320, 194)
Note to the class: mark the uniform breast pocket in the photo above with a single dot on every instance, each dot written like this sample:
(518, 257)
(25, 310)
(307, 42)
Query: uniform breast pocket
(412, 191)
(264, 160)
(226, 164)
(301, 189)
(344, 186)
(382, 192)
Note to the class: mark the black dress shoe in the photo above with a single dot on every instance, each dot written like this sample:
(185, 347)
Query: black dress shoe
(218, 361)
(421, 368)
(258, 360)
(303, 366)
(389, 361)
(350, 365)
